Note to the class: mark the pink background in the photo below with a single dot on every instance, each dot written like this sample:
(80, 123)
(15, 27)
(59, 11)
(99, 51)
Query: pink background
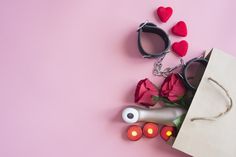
(69, 66)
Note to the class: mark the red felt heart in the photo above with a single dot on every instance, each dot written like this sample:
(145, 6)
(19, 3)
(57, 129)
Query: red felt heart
(180, 29)
(180, 48)
(164, 13)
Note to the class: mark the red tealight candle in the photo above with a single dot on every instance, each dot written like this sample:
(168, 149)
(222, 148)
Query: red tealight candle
(150, 130)
(134, 133)
(167, 132)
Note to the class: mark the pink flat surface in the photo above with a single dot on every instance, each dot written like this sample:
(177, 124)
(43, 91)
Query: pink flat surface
(68, 67)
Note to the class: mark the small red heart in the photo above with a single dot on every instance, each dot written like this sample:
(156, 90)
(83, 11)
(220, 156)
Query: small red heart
(164, 13)
(180, 29)
(180, 48)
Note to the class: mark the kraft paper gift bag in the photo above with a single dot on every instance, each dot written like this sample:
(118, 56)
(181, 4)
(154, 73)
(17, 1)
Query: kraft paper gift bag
(214, 137)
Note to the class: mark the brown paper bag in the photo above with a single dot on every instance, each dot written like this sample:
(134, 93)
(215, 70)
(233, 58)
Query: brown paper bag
(216, 138)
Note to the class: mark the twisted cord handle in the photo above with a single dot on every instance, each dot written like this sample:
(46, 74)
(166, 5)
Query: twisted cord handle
(228, 106)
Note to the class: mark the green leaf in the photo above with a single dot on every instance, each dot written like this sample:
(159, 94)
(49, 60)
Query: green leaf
(155, 98)
(158, 98)
(166, 102)
(179, 121)
(172, 105)
(182, 102)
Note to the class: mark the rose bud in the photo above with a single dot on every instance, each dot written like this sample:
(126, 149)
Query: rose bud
(144, 91)
(167, 132)
(134, 133)
(150, 130)
(173, 88)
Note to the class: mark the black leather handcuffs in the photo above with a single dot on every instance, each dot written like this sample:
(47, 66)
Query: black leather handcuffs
(148, 27)
(202, 61)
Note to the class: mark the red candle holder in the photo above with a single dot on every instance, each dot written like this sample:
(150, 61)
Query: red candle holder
(150, 130)
(167, 132)
(134, 133)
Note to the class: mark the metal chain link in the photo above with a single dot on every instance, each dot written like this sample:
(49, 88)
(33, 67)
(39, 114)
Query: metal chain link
(157, 67)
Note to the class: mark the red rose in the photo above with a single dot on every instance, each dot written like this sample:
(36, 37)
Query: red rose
(144, 92)
(173, 88)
